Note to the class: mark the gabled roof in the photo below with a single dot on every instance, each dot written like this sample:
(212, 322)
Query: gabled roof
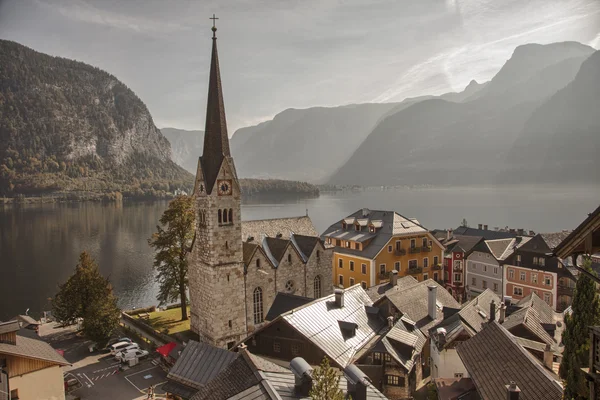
(413, 302)
(378, 291)
(404, 343)
(277, 247)
(248, 250)
(285, 302)
(471, 313)
(499, 247)
(464, 243)
(493, 359)
(29, 347)
(273, 227)
(543, 310)
(555, 238)
(306, 244)
(486, 234)
(576, 238)
(9, 326)
(199, 363)
(529, 319)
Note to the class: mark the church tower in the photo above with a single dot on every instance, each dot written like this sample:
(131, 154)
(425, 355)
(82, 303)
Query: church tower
(216, 269)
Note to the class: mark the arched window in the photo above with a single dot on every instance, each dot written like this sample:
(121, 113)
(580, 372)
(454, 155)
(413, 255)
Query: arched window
(290, 258)
(230, 215)
(317, 286)
(225, 216)
(318, 254)
(258, 263)
(258, 306)
(220, 216)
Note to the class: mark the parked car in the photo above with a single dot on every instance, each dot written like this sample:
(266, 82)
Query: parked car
(125, 356)
(132, 346)
(120, 346)
(113, 341)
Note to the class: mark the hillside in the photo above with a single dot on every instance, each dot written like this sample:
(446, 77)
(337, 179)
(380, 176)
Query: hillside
(67, 126)
(186, 147)
(440, 142)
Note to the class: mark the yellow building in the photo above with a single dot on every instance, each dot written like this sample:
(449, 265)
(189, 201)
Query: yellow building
(369, 244)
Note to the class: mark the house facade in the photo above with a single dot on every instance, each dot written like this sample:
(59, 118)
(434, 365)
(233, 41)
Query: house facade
(369, 244)
(458, 249)
(484, 269)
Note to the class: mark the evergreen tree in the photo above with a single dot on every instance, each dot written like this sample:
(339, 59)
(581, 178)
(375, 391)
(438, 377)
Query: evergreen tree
(326, 383)
(172, 243)
(464, 223)
(88, 295)
(576, 336)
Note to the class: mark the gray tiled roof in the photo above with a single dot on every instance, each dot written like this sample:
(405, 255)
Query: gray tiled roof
(285, 302)
(543, 310)
(283, 226)
(499, 246)
(26, 320)
(493, 359)
(248, 250)
(199, 363)
(555, 238)
(318, 322)
(404, 343)
(486, 234)
(464, 243)
(277, 247)
(471, 312)
(529, 319)
(33, 348)
(391, 223)
(378, 291)
(9, 326)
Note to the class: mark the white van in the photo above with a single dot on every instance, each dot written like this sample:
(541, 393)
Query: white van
(130, 347)
(120, 346)
(125, 356)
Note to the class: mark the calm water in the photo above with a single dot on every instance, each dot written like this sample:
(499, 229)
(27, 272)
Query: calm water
(40, 244)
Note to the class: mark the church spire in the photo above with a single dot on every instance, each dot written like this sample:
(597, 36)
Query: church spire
(216, 141)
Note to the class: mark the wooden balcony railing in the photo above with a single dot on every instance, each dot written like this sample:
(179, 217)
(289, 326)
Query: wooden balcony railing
(415, 270)
(414, 250)
(426, 249)
(400, 252)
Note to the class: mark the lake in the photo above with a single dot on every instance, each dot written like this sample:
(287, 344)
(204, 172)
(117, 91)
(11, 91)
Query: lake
(40, 244)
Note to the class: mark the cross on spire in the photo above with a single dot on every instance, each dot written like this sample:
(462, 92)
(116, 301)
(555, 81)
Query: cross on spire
(214, 27)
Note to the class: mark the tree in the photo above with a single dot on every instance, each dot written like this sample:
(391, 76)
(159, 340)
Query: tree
(88, 295)
(576, 336)
(326, 383)
(172, 242)
(464, 223)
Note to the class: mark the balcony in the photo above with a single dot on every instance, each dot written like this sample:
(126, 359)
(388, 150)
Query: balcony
(564, 290)
(415, 270)
(400, 252)
(436, 267)
(426, 249)
(414, 250)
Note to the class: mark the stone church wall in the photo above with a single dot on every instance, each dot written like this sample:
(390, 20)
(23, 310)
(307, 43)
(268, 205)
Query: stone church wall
(319, 264)
(290, 271)
(263, 277)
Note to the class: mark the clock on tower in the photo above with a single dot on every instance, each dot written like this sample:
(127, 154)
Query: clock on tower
(224, 187)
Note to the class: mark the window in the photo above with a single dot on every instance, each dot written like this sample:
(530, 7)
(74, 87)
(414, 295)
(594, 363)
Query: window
(344, 226)
(231, 215)
(517, 291)
(547, 280)
(535, 260)
(387, 357)
(424, 242)
(484, 283)
(371, 229)
(258, 306)
(390, 248)
(14, 394)
(495, 287)
(351, 265)
(351, 281)
(224, 216)
(377, 358)
(295, 349)
(397, 266)
(458, 278)
(548, 298)
(412, 264)
(341, 280)
(473, 281)
(340, 263)
(523, 276)
(347, 244)
(357, 227)
(425, 277)
(382, 269)
(511, 273)
(458, 375)
(398, 245)
(534, 278)
(425, 262)
(393, 380)
(484, 268)
(495, 270)
(436, 260)
(518, 259)
(277, 347)
(318, 254)
(356, 246)
(413, 243)
(363, 268)
(230, 324)
(364, 285)
(317, 286)
(220, 213)
(329, 240)
(258, 263)
(542, 261)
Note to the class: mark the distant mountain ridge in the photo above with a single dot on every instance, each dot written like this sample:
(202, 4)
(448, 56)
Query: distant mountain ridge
(68, 126)
(186, 146)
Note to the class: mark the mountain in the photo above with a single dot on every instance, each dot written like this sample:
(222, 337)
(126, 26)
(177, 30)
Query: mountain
(305, 145)
(68, 126)
(439, 142)
(561, 139)
(186, 146)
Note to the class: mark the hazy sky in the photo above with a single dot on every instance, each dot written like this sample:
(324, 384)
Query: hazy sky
(277, 54)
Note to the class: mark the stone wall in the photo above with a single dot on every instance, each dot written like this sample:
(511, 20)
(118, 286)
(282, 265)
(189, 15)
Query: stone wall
(264, 278)
(319, 264)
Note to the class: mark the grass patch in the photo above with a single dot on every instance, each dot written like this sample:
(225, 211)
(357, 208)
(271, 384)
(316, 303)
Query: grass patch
(168, 321)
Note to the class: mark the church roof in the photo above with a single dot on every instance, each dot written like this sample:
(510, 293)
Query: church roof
(216, 141)
(273, 227)
(277, 247)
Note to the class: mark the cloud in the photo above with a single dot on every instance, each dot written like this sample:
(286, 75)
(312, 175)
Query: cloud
(81, 11)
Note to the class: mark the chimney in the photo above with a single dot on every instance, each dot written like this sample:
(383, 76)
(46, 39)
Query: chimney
(485, 227)
(492, 311)
(521, 231)
(390, 320)
(394, 278)
(357, 382)
(302, 376)
(512, 391)
(548, 357)
(339, 298)
(502, 315)
(480, 226)
(431, 301)
(441, 336)
(448, 234)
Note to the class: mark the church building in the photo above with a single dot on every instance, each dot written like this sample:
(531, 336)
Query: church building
(236, 268)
